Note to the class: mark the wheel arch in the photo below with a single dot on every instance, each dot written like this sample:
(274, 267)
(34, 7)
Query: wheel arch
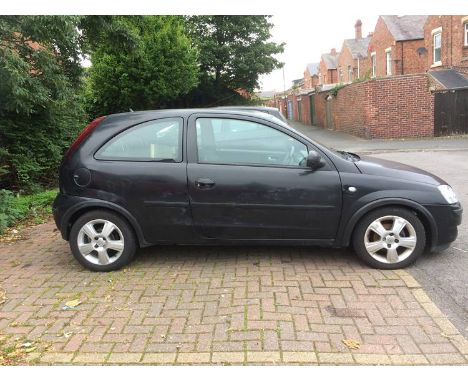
(82, 208)
(423, 214)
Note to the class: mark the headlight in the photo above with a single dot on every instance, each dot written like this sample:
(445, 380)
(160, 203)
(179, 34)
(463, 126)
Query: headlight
(448, 194)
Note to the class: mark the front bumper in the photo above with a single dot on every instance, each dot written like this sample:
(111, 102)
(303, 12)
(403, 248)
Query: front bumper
(447, 218)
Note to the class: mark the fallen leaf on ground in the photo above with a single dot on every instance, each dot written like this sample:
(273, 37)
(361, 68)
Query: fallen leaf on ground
(73, 303)
(3, 297)
(352, 344)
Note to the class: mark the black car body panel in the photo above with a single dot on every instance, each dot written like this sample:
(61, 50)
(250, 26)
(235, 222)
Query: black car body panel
(165, 202)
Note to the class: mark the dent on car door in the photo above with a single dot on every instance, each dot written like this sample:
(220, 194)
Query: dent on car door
(143, 169)
(249, 181)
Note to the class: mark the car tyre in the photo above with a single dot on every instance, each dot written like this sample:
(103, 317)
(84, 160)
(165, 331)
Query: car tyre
(102, 241)
(389, 238)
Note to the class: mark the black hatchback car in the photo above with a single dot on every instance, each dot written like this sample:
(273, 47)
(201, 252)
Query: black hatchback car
(207, 176)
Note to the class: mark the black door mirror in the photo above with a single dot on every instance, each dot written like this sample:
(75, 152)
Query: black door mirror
(314, 160)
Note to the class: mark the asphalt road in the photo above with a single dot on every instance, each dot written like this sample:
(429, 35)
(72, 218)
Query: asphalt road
(444, 275)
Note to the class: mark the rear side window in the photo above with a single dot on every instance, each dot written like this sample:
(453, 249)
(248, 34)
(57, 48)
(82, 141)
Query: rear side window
(159, 140)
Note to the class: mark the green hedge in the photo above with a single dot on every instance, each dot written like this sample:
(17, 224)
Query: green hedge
(14, 208)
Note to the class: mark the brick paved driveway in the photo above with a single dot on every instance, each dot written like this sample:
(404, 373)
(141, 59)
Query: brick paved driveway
(217, 305)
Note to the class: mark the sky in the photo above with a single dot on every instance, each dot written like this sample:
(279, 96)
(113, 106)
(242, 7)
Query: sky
(306, 38)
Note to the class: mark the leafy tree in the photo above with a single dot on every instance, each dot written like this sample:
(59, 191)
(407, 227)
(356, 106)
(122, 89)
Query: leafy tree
(234, 52)
(40, 76)
(152, 65)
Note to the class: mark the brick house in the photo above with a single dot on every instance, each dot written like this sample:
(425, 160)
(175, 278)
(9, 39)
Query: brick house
(327, 73)
(446, 41)
(311, 75)
(397, 46)
(352, 61)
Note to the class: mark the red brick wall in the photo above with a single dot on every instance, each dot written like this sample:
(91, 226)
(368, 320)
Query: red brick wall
(454, 53)
(350, 109)
(392, 107)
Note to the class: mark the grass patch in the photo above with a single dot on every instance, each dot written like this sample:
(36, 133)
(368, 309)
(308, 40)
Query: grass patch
(15, 208)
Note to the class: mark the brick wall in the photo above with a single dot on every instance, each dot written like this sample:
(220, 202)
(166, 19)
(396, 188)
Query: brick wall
(350, 109)
(392, 107)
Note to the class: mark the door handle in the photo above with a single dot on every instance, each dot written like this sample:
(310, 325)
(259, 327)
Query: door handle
(204, 183)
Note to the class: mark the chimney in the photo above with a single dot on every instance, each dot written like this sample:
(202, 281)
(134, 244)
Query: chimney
(333, 52)
(358, 29)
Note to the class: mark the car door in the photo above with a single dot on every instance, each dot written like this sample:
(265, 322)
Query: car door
(143, 169)
(248, 180)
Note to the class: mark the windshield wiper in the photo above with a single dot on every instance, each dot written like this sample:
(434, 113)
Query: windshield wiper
(350, 156)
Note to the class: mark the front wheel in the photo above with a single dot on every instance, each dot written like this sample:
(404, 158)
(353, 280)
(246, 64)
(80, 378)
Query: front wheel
(389, 238)
(102, 241)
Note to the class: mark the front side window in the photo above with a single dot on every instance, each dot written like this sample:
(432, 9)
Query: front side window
(437, 44)
(237, 142)
(374, 64)
(159, 140)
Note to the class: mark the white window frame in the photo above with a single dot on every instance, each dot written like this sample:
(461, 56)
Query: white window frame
(374, 63)
(434, 33)
(388, 62)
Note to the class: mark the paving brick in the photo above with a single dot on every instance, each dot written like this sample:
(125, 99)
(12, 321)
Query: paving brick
(299, 357)
(90, 358)
(193, 358)
(263, 357)
(372, 359)
(446, 359)
(159, 358)
(409, 359)
(54, 358)
(335, 358)
(227, 357)
(229, 305)
(125, 358)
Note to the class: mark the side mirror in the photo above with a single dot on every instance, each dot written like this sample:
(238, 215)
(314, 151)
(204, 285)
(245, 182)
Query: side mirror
(314, 160)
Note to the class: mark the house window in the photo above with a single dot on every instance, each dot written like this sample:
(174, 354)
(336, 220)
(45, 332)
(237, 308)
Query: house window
(388, 61)
(437, 44)
(374, 63)
(350, 73)
(341, 75)
(465, 27)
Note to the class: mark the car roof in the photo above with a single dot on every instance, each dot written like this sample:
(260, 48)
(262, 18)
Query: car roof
(148, 114)
(240, 107)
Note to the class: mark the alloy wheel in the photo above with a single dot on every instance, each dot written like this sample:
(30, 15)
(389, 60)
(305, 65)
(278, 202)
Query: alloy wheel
(100, 242)
(390, 239)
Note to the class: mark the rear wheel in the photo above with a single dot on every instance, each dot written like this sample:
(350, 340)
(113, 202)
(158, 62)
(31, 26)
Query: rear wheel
(389, 238)
(102, 241)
